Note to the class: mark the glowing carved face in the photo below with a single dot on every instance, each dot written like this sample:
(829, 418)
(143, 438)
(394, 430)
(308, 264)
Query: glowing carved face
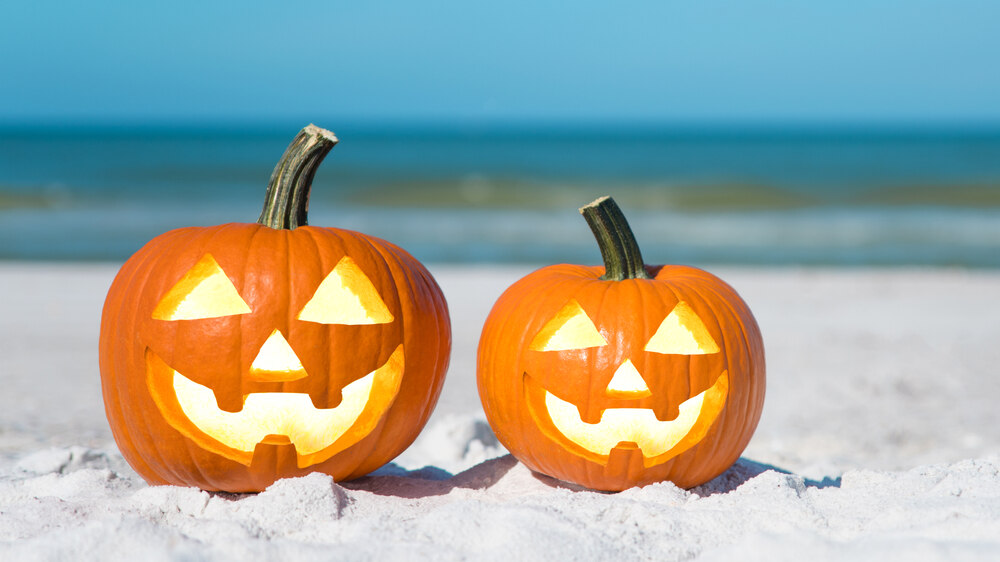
(345, 297)
(632, 426)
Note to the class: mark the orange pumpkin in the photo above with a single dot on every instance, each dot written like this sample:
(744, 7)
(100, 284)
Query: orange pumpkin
(622, 375)
(235, 355)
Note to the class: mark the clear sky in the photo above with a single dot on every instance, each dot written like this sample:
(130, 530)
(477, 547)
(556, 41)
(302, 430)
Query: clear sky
(790, 61)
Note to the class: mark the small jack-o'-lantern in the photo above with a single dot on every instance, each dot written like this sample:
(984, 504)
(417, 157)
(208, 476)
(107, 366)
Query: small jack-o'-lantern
(622, 375)
(238, 354)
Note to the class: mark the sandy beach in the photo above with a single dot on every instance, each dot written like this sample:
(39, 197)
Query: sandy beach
(839, 166)
(878, 441)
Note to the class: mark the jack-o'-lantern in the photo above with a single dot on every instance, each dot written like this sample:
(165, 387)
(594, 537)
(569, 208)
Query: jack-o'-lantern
(622, 375)
(238, 354)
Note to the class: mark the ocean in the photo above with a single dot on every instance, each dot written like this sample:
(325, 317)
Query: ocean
(837, 197)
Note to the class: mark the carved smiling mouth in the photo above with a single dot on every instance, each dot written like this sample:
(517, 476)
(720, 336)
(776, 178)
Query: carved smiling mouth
(629, 428)
(274, 417)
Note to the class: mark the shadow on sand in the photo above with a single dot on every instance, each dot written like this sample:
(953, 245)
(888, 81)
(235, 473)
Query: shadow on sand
(392, 480)
(744, 470)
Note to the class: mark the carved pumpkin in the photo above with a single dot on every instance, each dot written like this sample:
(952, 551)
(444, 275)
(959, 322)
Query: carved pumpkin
(238, 354)
(622, 375)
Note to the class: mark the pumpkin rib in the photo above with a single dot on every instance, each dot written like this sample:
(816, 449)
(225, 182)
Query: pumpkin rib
(424, 287)
(486, 357)
(439, 303)
(114, 313)
(113, 402)
(729, 450)
(144, 279)
(709, 448)
(192, 458)
(751, 398)
(141, 416)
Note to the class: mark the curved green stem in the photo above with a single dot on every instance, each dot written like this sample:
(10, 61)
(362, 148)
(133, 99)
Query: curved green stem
(286, 204)
(622, 259)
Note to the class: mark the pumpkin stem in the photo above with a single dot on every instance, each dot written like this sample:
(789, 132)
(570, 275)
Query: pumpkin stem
(622, 258)
(286, 204)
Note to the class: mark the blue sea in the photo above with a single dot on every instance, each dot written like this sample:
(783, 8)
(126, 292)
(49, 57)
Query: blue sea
(838, 197)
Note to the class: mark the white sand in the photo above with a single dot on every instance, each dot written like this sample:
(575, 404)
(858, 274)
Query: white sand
(879, 440)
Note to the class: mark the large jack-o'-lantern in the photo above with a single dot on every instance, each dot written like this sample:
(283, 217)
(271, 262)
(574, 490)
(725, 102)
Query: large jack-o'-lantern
(622, 375)
(238, 354)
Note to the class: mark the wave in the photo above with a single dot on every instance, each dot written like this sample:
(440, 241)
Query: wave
(692, 198)
(914, 235)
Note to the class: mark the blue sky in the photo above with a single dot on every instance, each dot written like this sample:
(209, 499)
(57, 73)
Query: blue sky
(901, 61)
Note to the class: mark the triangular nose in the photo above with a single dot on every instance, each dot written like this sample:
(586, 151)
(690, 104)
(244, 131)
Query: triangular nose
(276, 361)
(627, 383)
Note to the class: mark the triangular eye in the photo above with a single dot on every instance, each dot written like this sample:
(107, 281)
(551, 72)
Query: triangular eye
(205, 291)
(682, 333)
(571, 328)
(346, 296)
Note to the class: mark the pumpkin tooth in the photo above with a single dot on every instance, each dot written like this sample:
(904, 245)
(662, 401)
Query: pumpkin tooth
(666, 412)
(625, 427)
(269, 414)
(229, 398)
(589, 414)
(269, 419)
(327, 401)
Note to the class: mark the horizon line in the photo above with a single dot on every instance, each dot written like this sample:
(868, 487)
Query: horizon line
(500, 127)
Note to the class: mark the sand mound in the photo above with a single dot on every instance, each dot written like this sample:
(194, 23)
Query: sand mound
(76, 502)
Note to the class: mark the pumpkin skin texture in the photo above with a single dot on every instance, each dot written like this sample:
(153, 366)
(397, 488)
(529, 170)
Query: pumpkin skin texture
(612, 383)
(228, 362)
